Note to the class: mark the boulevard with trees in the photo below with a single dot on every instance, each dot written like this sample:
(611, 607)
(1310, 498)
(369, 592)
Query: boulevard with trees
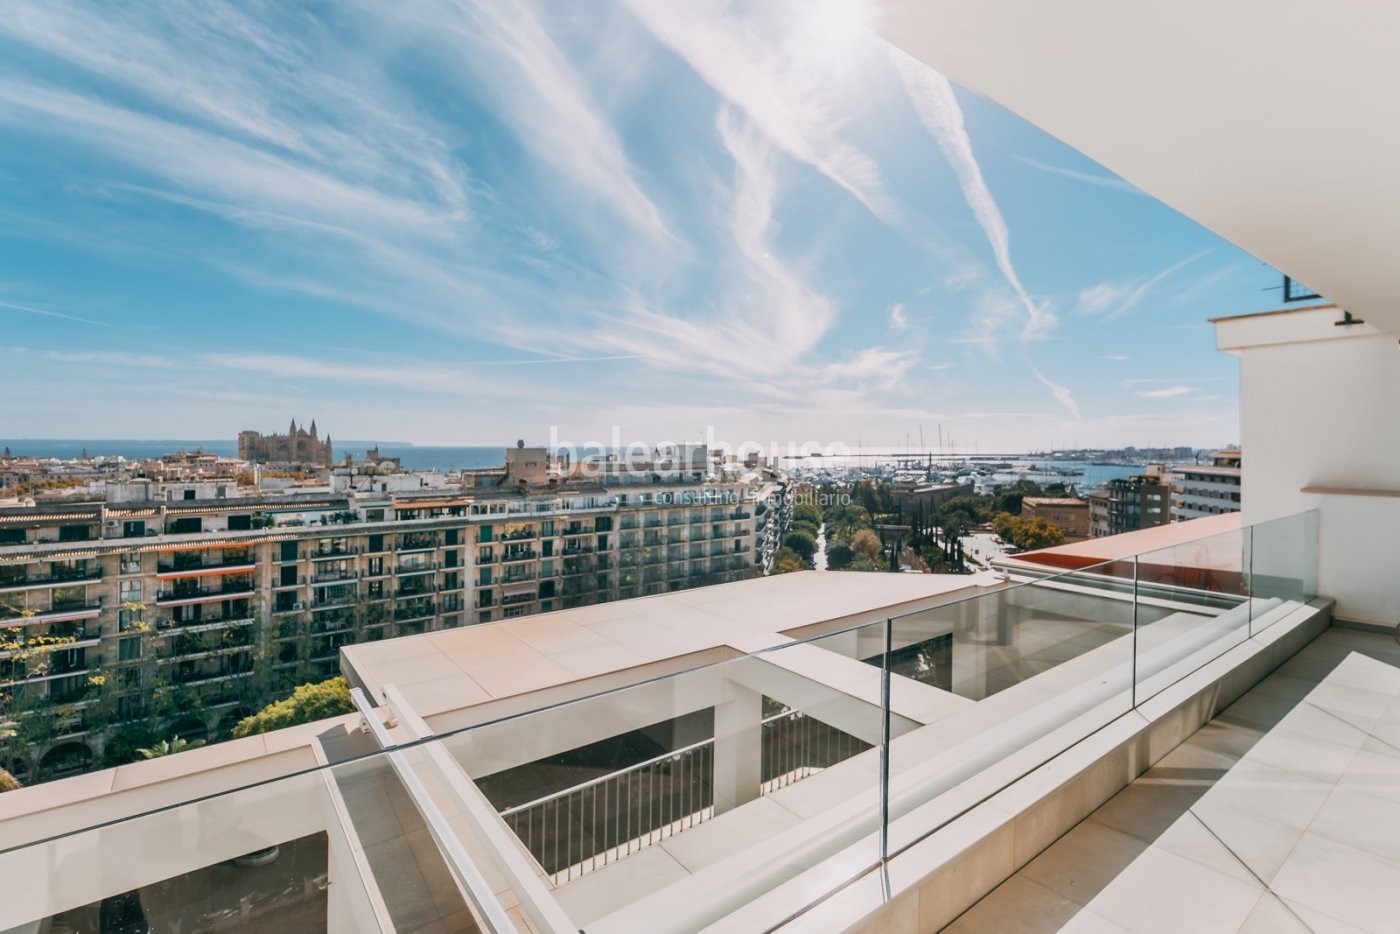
(867, 531)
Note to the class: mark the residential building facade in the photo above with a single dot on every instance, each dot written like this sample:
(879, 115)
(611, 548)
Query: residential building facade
(1069, 515)
(1207, 490)
(1138, 502)
(187, 606)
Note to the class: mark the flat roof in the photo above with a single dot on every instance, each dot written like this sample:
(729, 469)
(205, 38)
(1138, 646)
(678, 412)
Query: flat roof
(448, 670)
(1276, 311)
(1053, 501)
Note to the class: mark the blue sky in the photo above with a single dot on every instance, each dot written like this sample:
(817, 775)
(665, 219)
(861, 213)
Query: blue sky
(458, 223)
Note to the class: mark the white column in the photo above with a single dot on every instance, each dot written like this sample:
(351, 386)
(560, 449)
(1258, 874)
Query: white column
(738, 747)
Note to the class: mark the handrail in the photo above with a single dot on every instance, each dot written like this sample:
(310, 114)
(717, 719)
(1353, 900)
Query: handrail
(469, 879)
(519, 871)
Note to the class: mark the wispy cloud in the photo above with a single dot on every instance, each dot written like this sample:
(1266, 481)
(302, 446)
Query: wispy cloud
(535, 89)
(1116, 299)
(765, 72)
(1061, 393)
(898, 319)
(1116, 357)
(46, 313)
(1103, 181)
(1168, 392)
(938, 108)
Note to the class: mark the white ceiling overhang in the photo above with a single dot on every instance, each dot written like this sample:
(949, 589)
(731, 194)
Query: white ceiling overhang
(1273, 123)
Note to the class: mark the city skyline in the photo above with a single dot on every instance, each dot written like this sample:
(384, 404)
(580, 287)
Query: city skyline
(453, 223)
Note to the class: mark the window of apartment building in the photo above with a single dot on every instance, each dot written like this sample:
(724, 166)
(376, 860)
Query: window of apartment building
(484, 616)
(486, 555)
(127, 619)
(450, 559)
(129, 649)
(285, 601)
(376, 544)
(12, 537)
(240, 523)
(450, 537)
(287, 652)
(483, 533)
(131, 677)
(131, 563)
(288, 551)
(134, 529)
(484, 577)
(129, 592)
(74, 533)
(287, 576)
(187, 525)
(374, 589)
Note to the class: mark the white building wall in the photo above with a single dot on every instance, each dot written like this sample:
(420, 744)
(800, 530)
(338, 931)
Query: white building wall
(1320, 408)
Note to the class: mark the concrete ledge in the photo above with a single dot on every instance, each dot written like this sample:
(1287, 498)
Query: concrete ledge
(930, 883)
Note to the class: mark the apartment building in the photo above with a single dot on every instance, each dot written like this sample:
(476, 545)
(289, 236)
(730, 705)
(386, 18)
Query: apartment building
(1207, 489)
(1069, 515)
(185, 606)
(1138, 502)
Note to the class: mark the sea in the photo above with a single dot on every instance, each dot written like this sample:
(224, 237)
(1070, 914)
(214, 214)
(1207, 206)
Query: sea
(449, 458)
(413, 457)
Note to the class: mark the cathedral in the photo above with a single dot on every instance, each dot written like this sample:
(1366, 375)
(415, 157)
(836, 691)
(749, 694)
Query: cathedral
(297, 446)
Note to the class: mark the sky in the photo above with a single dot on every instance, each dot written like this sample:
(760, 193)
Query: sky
(469, 222)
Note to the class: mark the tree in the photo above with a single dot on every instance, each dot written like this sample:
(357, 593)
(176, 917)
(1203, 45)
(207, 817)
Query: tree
(807, 512)
(785, 561)
(866, 544)
(168, 747)
(802, 543)
(308, 703)
(971, 509)
(1038, 533)
(838, 557)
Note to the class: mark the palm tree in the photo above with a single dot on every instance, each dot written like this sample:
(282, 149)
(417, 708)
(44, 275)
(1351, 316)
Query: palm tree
(167, 747)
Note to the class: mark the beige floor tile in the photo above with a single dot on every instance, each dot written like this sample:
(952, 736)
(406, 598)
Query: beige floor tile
(1344, 882)
(1082, 862)
(1272, 916)
(1362, 820)
(1262, 843)
(1162, 893)
(1017, 906)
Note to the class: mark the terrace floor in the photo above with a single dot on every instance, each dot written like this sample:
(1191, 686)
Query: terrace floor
(1279, 815)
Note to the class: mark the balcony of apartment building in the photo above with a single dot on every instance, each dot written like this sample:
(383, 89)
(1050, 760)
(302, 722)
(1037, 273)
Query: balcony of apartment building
(324, 549)
(205, 563)
(575, 529)
(577, 547)
(57, 609)
(417, 541)
(324, 575)
(186, 591)
(196, 671)
(519, 534)
(333, 596)
(515, 553)
(21, 577)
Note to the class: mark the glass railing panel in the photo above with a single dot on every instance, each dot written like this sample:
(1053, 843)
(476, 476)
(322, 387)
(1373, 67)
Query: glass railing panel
(1282, 566)
(997, 684)
(1193, 604)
